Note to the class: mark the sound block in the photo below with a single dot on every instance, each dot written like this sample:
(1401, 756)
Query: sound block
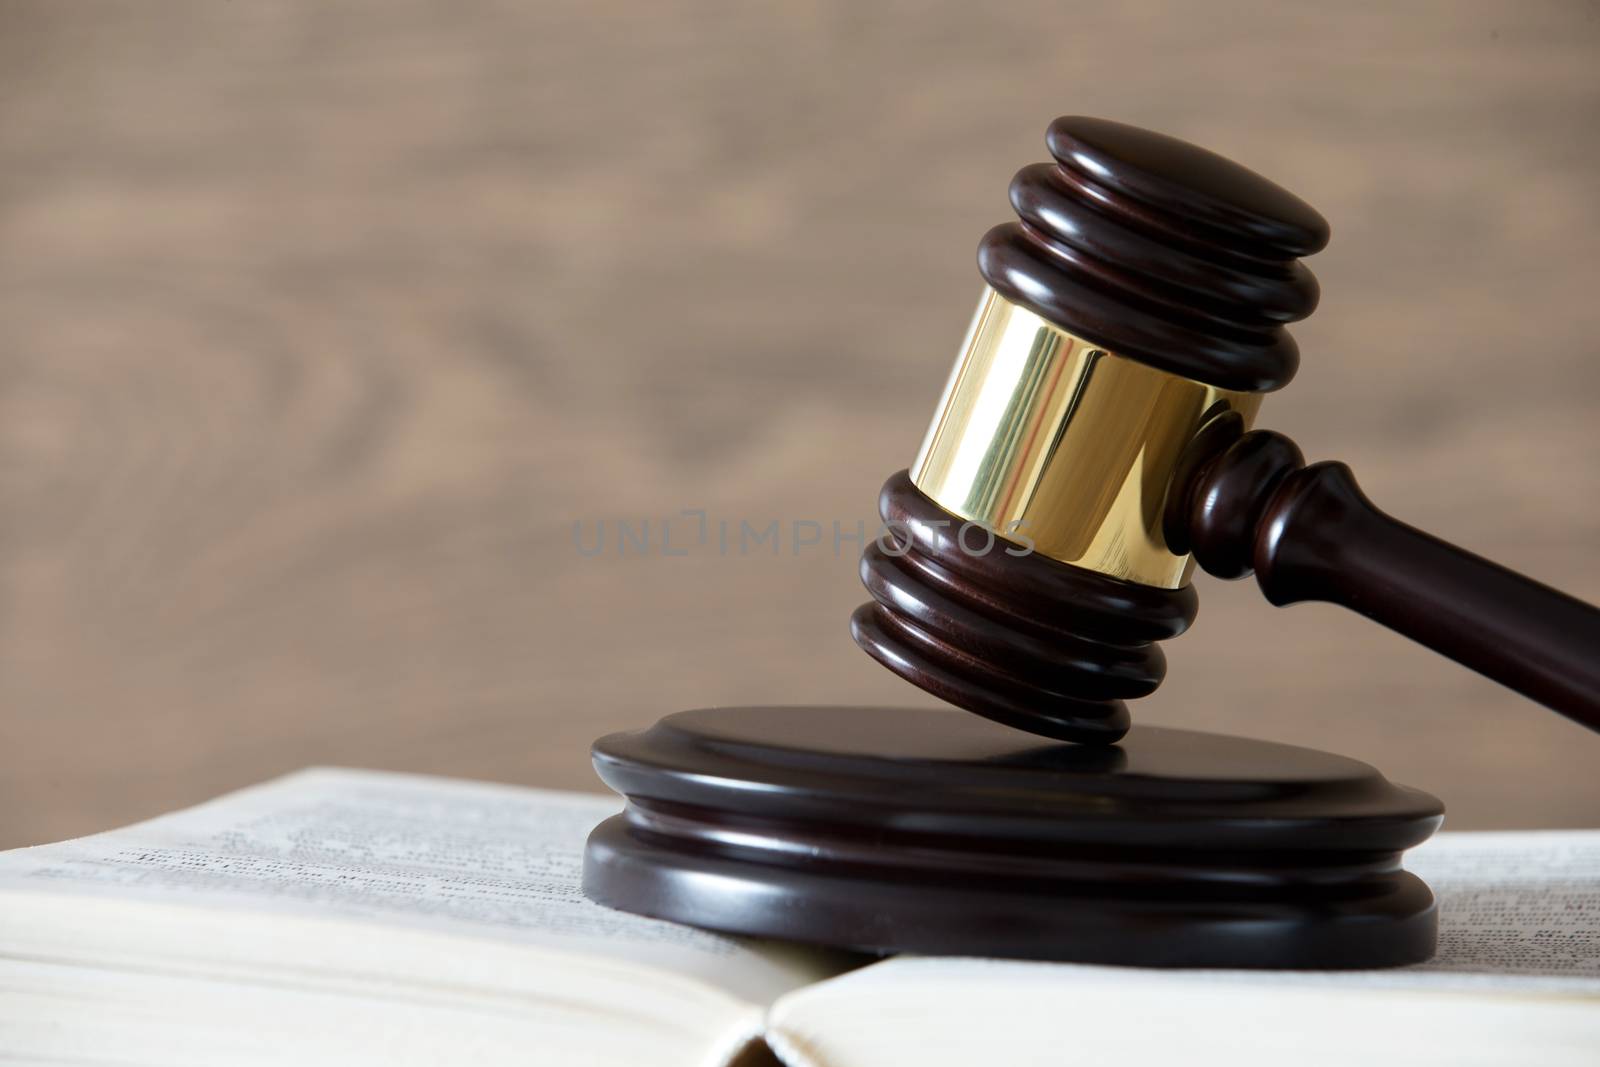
(938, 832)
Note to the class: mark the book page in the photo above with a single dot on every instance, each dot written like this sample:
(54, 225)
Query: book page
(442, 855)
(1515, 904)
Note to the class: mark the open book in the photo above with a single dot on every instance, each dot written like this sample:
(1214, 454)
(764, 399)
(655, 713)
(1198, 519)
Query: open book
(352, 917)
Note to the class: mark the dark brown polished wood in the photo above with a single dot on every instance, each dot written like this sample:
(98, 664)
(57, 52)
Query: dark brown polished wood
(1159, 250)
(1023, 640)
(1309, 533)
(920, 830)
(1055, 649)
(1174, 256)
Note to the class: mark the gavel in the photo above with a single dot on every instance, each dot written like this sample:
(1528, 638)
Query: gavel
(1093, 444)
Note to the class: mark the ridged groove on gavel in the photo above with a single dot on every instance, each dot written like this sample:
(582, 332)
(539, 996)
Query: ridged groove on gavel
(1036, 644)
(1161, 251)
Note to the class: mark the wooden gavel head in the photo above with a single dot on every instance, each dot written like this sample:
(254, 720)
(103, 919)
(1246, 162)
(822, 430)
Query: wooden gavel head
(1089, 442)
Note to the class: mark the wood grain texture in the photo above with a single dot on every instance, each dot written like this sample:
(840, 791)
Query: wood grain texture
(320, 325)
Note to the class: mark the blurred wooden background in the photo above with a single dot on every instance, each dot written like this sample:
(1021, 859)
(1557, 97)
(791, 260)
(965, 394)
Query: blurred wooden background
(321, 325)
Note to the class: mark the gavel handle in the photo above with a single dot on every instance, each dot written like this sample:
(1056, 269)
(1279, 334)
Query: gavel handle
(1309, 533)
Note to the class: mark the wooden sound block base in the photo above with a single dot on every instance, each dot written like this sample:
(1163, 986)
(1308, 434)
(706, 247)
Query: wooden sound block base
(937, 832)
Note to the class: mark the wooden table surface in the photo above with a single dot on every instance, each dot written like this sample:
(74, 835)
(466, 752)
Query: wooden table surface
(321, 326)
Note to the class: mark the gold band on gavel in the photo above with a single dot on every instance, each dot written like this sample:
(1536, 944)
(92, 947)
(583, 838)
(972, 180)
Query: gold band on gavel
(1049, 439)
